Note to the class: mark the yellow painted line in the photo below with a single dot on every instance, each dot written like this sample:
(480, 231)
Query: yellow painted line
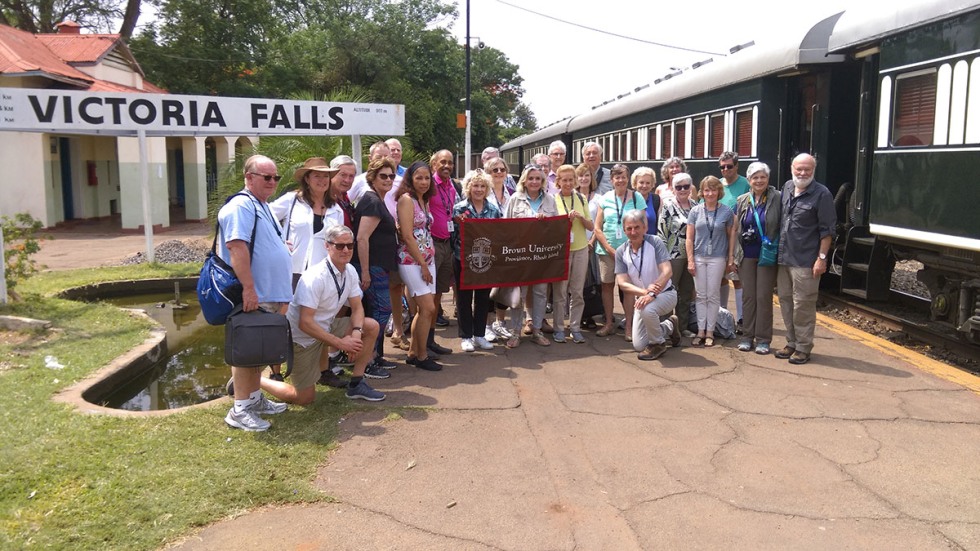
(917, 360)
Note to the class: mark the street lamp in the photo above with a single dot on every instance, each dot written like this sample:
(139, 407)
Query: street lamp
(468, 144)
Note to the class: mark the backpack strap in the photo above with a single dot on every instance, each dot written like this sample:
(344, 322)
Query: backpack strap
(217, 228)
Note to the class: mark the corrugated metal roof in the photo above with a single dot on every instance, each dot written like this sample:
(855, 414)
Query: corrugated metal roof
(79, 48)
(22, 52)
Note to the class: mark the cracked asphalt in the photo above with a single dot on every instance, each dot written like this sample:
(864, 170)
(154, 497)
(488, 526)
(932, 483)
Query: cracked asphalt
(582, 447)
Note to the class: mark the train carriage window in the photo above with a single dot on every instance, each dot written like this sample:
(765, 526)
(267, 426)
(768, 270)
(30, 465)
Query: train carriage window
(698, 139)
(743, 133)
(680, 138)
(717, 142)
(634, 145)
(623, 146)
(652, 142)
(665, 150)
(913, 118)
(973, 104)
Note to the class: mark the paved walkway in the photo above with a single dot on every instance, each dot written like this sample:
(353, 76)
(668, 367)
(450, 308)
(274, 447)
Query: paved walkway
(585, 447)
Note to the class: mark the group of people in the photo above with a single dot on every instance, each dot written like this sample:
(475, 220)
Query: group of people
(344, 254)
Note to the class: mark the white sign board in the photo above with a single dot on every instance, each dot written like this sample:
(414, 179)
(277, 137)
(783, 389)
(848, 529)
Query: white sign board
(74, 112)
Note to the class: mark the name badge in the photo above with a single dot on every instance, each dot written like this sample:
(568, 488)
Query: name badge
(619, 233)
(571, 237)
(450, 226)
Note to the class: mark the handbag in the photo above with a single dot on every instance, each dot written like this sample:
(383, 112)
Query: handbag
(257, 339)
(769, 253)
(508, 296)
(218, 289)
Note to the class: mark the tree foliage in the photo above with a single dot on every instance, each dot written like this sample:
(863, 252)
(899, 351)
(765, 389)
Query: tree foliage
(398, 50)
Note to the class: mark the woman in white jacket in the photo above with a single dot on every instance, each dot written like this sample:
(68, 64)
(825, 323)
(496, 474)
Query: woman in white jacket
(307, 213)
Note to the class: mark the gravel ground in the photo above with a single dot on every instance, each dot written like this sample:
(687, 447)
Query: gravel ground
(173, 252)
(904, 278)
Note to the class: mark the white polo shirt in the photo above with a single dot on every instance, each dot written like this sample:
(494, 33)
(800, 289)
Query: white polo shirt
(325, 290)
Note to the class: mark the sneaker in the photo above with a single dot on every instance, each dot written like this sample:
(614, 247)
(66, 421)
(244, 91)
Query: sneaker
(438, 349)
(364, 392)
(513, 342)
(276, 377)
(799, 358)
(501, 330)
(559, 337)
(577, 338)
(428, 364)
(340, 360)
(467, 345)
(675, 333)
(785, 352)
(621, 324)
(489, 335)
(687, 334)
(441, 321)
(745, 345)
(738, 327)
(539, 339)
(230, 387)
(652, 352)
(390, 327)
(381, 362)
(762, 348)
(329, 378)
(548, 308)
(546, 327)
(375, 371)
(267, 407)
(246, 420)
(482, 343)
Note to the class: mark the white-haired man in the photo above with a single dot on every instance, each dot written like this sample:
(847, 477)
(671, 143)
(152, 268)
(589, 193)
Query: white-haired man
(592, 156)
(556, 151)
(378, 150)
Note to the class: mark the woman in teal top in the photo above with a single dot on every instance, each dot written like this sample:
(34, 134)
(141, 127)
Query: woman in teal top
(609, 218)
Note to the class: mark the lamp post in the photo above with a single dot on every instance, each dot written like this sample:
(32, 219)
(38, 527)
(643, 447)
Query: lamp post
(468, 145)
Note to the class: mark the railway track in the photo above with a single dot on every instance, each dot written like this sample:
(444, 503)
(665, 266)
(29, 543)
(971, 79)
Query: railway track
(918, 332)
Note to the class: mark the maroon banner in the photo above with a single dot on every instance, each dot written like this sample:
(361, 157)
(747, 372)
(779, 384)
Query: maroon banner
(510, 252)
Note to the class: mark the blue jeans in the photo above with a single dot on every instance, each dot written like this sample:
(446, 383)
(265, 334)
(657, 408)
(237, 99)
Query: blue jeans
(377, 303)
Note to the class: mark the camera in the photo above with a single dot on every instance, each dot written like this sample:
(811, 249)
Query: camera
(750, 236)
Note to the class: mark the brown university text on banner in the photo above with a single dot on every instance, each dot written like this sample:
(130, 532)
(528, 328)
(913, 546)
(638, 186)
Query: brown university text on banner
(509, 252)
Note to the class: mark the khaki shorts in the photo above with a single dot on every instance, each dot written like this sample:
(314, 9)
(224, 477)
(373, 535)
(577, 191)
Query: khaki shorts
(607, 268)
(444, 266)
(306, 360)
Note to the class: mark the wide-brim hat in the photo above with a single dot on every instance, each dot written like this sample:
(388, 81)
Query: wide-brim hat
(316, 164)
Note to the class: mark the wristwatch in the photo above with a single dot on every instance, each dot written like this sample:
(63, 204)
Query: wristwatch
(822, 256)
(651, 294)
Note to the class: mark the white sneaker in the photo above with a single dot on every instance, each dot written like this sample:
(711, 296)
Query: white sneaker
(489, 335)
(483, 343)
(467, 345)
(246, 420)
(501, 330)
(267, 407)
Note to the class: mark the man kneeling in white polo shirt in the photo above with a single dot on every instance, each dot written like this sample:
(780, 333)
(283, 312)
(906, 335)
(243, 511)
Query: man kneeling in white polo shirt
(321, 292)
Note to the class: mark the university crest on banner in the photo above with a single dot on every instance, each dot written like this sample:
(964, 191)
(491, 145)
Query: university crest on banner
(509, 252)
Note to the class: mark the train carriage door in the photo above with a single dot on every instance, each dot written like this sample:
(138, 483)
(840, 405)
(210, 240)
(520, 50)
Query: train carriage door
(867, 136)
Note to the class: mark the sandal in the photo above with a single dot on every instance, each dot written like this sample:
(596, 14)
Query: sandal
(696, 341)
(709, 341)
(403, 343)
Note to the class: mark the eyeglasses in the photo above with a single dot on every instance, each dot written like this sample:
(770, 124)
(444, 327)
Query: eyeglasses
(386, 176)
(498, 170)
(683, 187)
(267, 177)
(342, 246)
(726, 167)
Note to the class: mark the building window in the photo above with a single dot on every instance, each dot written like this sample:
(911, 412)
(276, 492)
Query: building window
(914, 116)
(743, 133)
(698, 139)
(680, 138)
(717, 136)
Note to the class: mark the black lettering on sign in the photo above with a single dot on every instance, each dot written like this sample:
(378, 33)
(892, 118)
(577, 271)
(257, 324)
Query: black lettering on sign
(85, 115)
(117, 104)
(279, 117)
(148, 108)
(298, 116)
(45, 114)
(173, 111)
(336, 118)
(212, 115)
(258, 113)
(67, 106)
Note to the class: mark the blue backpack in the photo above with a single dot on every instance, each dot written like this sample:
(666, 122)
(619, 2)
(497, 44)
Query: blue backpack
(218, 289)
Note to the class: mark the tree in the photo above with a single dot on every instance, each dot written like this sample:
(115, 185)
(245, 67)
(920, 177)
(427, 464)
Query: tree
(41, 16)
(523, 122)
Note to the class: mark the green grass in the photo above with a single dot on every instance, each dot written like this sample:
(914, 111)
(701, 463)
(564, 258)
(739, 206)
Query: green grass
(77, 481)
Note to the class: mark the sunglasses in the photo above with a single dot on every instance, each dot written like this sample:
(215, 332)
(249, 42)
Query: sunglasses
(498, 170)
(683, 187)
(726, 167)
(267, 177)
(342, 246)
(386, 176)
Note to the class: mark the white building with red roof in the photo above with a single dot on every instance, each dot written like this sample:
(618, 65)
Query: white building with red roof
(61, 176)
